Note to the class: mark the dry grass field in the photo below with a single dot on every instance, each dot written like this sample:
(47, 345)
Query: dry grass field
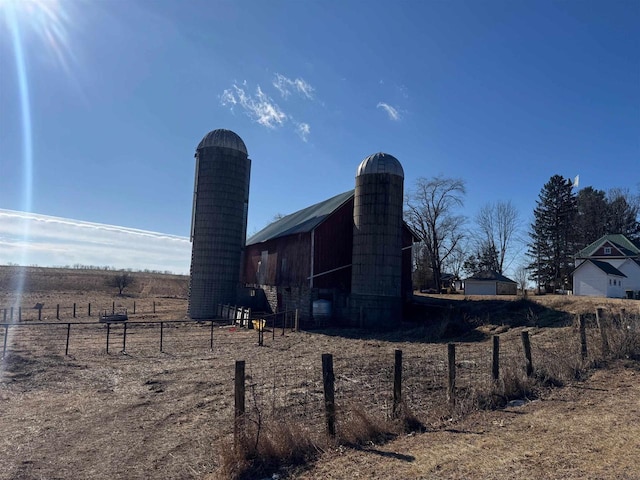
(143, 413)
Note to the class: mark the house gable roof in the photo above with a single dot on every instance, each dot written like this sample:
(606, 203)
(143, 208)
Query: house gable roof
(490, 276)
(604, 266)
(301, 221)
(624, 246)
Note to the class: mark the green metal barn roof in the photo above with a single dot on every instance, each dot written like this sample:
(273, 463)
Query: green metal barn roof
(301, 221)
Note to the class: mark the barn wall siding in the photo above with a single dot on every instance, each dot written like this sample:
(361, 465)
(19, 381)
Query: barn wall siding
(333, 245)
(407, 262)
(288, 261)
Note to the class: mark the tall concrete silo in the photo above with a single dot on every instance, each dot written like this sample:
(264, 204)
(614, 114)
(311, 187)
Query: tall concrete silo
(376, 279)
(219, 221)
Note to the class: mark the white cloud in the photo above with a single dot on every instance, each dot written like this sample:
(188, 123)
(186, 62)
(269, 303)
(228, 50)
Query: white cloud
(228, 98)
(393, 113)
(33, 239)
(260, 107)
(303, 130)
(284, 85)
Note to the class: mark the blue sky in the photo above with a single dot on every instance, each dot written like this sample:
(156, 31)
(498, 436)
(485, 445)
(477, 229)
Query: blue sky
(503, 94)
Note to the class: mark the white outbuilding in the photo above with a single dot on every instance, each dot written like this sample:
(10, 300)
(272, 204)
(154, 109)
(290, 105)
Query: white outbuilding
(609, 267)
(489, 283)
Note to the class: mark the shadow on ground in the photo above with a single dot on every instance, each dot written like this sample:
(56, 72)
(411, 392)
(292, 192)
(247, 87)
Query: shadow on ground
(437, 320)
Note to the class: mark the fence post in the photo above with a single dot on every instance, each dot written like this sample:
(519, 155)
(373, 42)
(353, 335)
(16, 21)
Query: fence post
(582, 325)
(397, 383)
(6, 335)
(124, 338)
(108, 333)
(239, 400)
(260, 335)
(154, 306)
(297, 325)
(211, 337)
(134, 307)
(66, 349)
(328, 380)
(602, 326)
(89, 309)
(74, 310)
(40, 314)
(495, 370)
(4, 317)
(19, 314)
(58, 311)
(161, 334)
(526, 346)
(451, 390)
(11, 316)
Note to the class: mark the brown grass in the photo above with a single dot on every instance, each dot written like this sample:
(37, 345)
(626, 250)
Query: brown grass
(586, 431)
(150, 415)
(262, 449)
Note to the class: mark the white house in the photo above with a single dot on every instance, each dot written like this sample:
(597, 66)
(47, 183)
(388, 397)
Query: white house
(490, 283)
(609, 267)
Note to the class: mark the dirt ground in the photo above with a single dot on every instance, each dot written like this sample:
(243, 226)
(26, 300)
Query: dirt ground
(145, 414)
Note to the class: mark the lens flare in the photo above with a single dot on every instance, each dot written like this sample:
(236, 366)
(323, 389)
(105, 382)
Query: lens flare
(45, 20)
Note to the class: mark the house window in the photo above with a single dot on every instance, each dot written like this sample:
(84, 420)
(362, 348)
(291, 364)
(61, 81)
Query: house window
(609, 281)
(607, 250)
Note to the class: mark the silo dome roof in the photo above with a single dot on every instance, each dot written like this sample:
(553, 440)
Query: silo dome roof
(380, 163)
(223, 138)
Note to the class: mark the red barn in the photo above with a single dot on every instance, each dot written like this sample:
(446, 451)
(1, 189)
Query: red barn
(307, 255)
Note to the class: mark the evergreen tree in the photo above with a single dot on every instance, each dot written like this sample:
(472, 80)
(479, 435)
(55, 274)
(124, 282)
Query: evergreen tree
(485, 259)
(591, 219)
(552, 236)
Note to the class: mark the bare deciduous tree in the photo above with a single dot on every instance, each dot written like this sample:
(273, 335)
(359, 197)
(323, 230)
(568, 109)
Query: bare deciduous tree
(499, 224)
(522, 278)
(122, 280)
(430, 212)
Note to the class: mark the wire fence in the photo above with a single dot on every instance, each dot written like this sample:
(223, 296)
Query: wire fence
(83, 338)
(91, 310)
(429, 382)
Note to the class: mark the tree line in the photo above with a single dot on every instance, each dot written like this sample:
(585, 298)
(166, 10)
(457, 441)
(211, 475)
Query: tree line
(565, 221)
